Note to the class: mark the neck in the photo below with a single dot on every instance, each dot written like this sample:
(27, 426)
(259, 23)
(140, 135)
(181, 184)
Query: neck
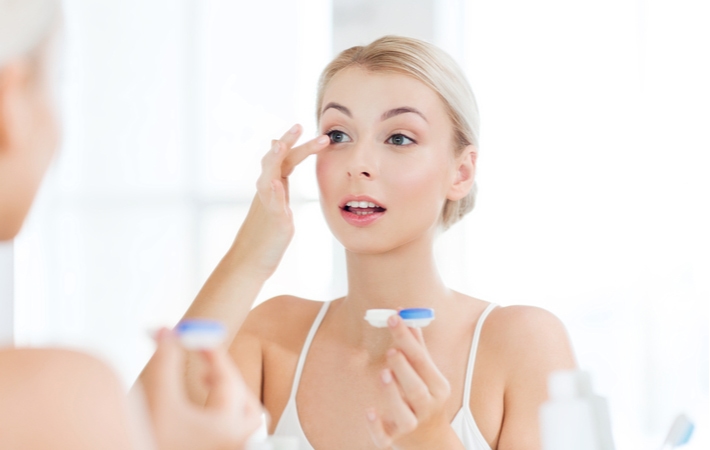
(405, 277)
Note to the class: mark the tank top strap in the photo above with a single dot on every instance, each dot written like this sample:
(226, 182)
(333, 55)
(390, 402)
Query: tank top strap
(306, 347)
(472, 355)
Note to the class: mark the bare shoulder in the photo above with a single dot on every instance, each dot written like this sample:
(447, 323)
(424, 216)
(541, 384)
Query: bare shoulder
(44, 362)
(270, 341)
(528, 338)
(281, 318)
(78, 399)
(46, 372)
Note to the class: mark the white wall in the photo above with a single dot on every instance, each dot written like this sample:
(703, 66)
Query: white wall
(168, 107)
(593, 192)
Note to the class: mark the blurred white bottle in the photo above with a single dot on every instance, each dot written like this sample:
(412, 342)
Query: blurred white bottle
(574, 418)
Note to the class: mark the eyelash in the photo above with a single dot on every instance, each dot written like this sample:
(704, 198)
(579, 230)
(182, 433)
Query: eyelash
(389, 139)
(412, 141)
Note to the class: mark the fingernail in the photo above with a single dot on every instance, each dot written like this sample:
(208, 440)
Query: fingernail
(323, 139)
(275, 146)
(294, 129)
(391, 352)
(160, 334)
(386, 376)
(153, 333)
(393, 320)
(371, 416)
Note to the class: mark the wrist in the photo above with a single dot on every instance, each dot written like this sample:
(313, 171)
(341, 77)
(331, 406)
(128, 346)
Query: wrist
(240, 262)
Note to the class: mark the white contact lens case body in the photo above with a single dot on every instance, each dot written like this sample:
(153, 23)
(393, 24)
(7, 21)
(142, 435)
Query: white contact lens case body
(200, 334)
(412, 317)
(378, 317)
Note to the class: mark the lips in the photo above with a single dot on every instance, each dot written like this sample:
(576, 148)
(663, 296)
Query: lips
(361, 211)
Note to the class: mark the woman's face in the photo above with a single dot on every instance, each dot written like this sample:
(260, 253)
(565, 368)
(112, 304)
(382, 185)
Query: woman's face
(390, 166)
(28, 138)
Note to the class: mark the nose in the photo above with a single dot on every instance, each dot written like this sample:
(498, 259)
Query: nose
(361, 164)
(362, 174)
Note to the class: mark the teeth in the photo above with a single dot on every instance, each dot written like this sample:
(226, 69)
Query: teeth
(354, 204)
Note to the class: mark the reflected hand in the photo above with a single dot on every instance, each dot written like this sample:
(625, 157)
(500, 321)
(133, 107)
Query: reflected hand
(229, 417)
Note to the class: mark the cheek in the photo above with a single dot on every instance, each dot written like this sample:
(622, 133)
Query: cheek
(325, 169)
(418, 181)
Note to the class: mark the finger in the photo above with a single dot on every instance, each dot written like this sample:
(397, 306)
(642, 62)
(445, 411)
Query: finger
(252, 417)
(416, 392)
(271, 162)
(377, 430)
(417, 332)
(270, 186)
(226, 384)
(298, 154)
(398, 415)
(165, 380)
(290, 138)
(271, 165)
(418, 356)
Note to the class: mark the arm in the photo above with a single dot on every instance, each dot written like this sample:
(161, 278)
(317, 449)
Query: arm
(531, 343)
(230, 291)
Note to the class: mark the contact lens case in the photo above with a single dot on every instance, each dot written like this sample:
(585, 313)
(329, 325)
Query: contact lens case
(200, 334)
(412, 317)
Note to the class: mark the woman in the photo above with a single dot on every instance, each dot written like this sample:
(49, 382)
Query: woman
(50, 398)
(395, 166)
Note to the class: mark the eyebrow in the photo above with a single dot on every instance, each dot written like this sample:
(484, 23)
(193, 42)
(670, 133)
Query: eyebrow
(387, 115)
(339, 107)
(402, 110)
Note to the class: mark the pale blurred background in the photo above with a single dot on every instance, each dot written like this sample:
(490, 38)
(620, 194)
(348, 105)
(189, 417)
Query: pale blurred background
(593, 185)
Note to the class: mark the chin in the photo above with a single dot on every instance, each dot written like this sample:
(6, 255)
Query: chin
(377, 242)
(9, 229)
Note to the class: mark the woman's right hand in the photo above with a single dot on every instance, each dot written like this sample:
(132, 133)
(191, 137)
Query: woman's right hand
(268, 227)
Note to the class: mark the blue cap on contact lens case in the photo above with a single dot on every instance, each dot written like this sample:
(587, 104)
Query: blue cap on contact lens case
(199, 325)
(196, 334)
(416, 313)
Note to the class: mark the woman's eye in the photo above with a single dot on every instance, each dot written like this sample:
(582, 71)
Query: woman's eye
(337, 137)
(399, 139)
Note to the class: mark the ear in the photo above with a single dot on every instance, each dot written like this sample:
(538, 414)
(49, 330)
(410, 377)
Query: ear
(465, 174)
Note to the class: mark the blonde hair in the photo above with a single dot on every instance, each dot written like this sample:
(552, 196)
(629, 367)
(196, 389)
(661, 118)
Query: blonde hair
(23, 26)
(437, 70)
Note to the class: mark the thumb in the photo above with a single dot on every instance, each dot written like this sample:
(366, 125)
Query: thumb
(226, 385)
(165, 380)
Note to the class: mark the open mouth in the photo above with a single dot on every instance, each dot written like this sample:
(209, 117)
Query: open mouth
(363, 208)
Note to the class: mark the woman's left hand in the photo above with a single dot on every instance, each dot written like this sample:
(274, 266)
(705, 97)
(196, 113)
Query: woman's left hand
(415, 394)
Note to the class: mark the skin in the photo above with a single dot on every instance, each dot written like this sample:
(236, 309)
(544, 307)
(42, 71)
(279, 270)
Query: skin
(364, 387)
(77, 399)
(28, 138)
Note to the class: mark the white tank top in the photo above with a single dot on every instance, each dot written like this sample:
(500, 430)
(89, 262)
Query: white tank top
(463, 424)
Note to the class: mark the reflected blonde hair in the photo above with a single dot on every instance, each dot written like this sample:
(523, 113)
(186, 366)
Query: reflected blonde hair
(24, 24)
(437, 70)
